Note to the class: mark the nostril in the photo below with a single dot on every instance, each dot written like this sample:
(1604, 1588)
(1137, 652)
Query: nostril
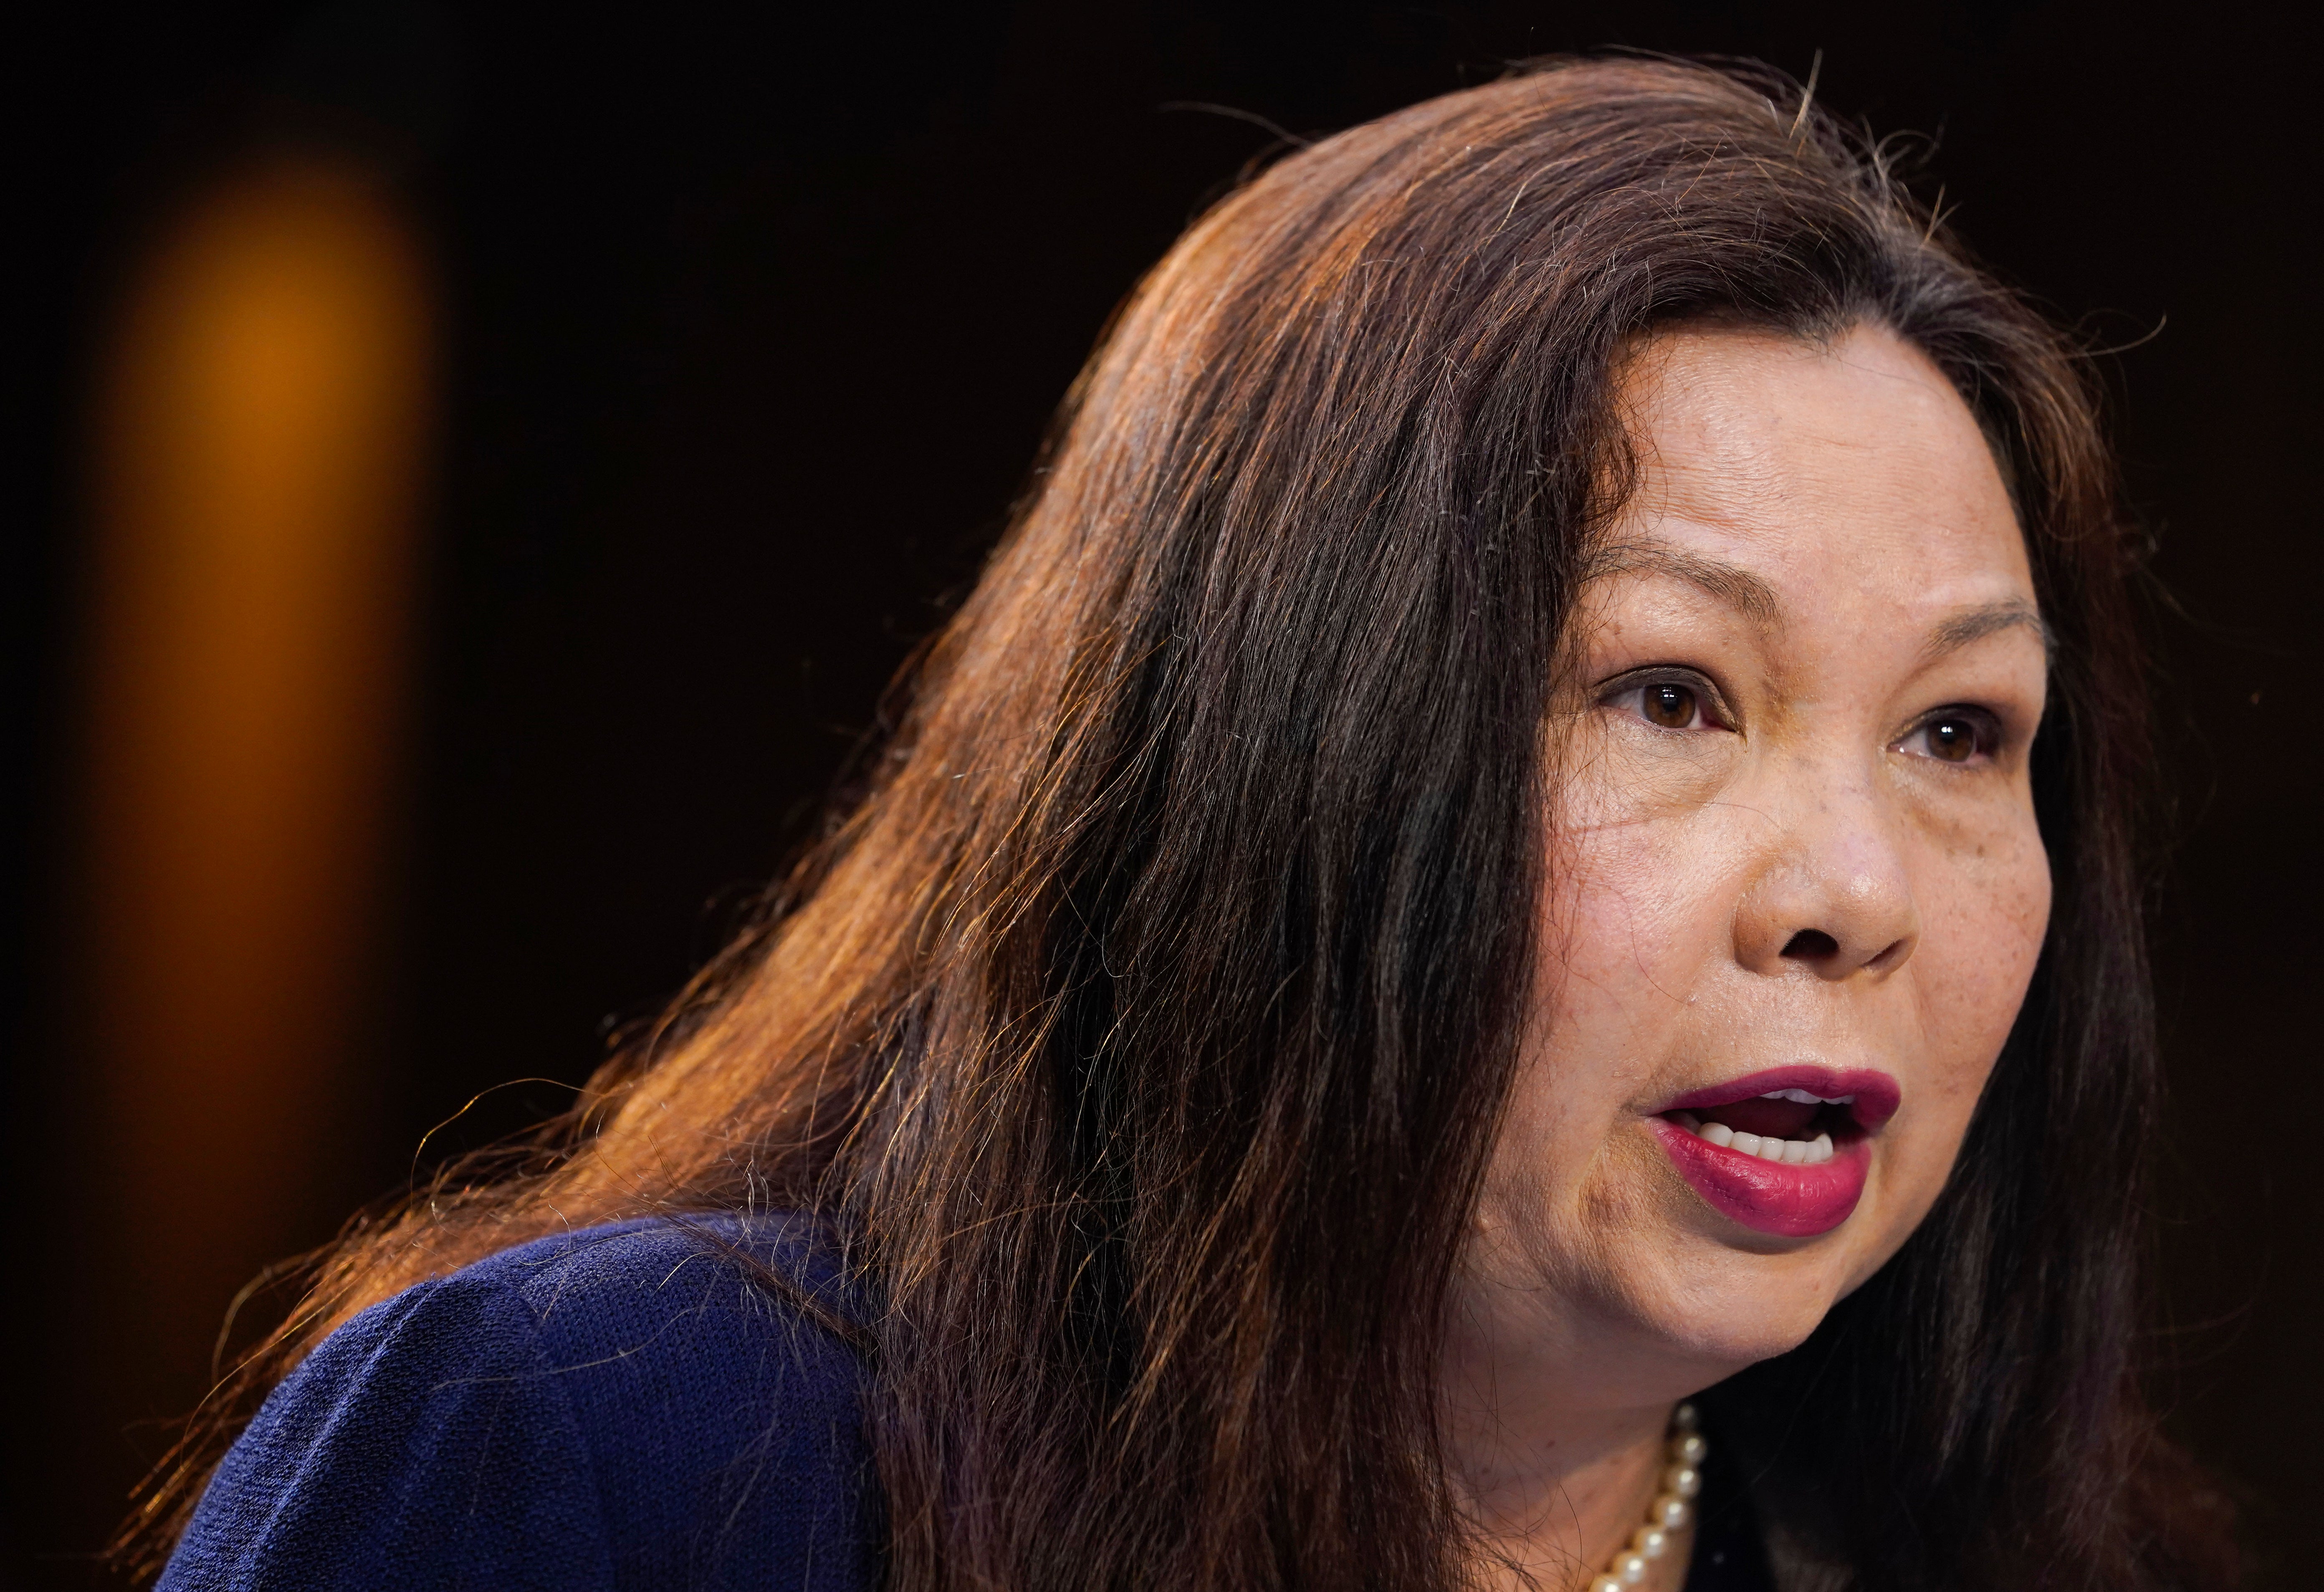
(1811, 945)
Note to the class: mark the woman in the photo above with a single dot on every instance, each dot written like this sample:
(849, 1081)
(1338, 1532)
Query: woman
(1502, 949)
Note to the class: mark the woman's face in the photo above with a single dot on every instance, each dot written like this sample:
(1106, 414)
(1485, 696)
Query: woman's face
(1797, 889)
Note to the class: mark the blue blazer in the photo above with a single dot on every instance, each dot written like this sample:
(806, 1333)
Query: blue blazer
(623, 1407)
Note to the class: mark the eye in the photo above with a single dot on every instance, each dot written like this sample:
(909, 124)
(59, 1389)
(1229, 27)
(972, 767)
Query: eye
(1669, 705)
(1955, 735)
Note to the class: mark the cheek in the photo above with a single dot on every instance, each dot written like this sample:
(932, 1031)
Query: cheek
(1982, 937)
(1641, 896)
(1629, 924)
(1985, 913)
(1634, 915)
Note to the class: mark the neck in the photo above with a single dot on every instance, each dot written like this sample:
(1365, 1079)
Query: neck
(1558, 1505)
(1556, 1476)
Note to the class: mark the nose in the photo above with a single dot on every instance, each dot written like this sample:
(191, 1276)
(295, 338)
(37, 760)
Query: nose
(1833, 894)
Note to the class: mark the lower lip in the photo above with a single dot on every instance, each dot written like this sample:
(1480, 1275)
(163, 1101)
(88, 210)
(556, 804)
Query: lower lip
(1769, 1196)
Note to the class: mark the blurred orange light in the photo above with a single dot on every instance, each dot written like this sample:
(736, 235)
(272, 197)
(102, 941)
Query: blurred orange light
(260, 456)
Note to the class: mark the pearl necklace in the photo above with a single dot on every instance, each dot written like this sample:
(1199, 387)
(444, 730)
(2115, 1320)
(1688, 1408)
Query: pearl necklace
(1671, 1512)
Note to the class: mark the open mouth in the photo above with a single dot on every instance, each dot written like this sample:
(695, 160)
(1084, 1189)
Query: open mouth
(1794, 1126)
(1784, 1151)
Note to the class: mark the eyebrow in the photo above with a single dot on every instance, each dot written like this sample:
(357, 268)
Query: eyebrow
(1974, 624)
(1738, 588)
(1750, 595)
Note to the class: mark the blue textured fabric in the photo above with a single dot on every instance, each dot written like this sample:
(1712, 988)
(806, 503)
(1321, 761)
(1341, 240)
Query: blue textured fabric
(618, 1408)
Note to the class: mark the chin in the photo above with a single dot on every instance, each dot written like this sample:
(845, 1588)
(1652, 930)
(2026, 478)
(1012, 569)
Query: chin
(1743, 1332)
(1725, 1308)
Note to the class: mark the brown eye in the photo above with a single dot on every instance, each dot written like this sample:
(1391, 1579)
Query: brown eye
(1668, 704)
(1954, 740)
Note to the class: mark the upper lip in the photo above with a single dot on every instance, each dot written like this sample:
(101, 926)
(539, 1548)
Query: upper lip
(1876, 1094)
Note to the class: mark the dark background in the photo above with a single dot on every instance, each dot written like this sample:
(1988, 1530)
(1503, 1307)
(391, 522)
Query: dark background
(751, 320)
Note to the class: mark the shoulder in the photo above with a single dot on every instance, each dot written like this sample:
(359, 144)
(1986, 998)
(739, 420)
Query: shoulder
(630, 1405)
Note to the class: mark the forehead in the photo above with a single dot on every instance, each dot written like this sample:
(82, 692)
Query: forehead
(1845, 472)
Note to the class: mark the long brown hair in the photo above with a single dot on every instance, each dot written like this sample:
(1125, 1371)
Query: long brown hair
(1141, 1031)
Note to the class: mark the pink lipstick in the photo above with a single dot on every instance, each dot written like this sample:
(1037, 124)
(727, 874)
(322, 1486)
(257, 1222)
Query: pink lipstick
(1785, 1150)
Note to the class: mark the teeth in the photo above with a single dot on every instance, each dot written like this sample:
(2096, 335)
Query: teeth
(1801, 1097)
(1789, 1152)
